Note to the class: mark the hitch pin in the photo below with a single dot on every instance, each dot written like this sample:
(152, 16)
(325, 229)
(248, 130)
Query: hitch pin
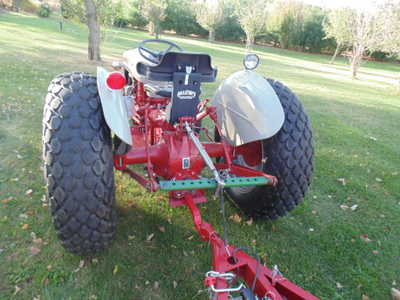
(188, 71)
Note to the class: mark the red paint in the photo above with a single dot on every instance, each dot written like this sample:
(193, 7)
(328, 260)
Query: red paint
(161, 148)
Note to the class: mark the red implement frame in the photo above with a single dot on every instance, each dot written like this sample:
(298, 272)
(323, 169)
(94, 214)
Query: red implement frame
(162, 148)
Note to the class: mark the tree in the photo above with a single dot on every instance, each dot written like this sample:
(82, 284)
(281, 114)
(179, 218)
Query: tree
(252, 16)
(154, 11)
(94, 13)
(337, 27)
(181, 18)
(388, 27)
(209, 15)
(362, 36)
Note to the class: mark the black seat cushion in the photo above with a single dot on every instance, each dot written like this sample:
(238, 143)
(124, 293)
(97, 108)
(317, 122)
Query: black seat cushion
(176, 62)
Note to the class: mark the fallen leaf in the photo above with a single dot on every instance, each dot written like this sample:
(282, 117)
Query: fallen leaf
(249, 222)
(29, 192)
(161, 228)
(354, 207)
(364, 297)
(38, 241)
(175, 284)
(7, 200)
(342, 181)
(95, 260)
(344, 206)
(314, 212)
(131, 237)
(93, 297)
(365, 238)
(17, 289)
(338, 285)
(190, 237)
(378, 179)
(81, 264)
(49, 267)
(395, 294)
(34, 250)
(115, 271)
(150, 237)
(236, 218)
(375, 251)
(25, 227)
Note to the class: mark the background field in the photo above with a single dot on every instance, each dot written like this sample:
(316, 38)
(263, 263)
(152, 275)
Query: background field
(335, 253)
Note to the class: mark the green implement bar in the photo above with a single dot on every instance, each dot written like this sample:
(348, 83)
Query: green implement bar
(199, 184)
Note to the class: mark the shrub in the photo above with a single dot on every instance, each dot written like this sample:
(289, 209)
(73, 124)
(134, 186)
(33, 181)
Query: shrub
(44, 11)
(121, 22)
(28, 6)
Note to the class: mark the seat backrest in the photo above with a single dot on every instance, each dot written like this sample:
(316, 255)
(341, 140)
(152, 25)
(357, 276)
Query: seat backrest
(173, 62)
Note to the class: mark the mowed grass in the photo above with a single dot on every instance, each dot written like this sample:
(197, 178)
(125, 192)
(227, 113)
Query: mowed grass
(335, 253)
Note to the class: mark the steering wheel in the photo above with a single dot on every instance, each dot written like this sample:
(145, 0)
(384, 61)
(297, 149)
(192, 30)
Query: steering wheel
(155, 56)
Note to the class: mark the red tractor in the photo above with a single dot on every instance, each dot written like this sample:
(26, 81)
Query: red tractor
(259, 153)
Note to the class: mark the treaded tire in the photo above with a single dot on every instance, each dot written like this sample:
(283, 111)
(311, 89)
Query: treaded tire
(288, 155)
(78, 164)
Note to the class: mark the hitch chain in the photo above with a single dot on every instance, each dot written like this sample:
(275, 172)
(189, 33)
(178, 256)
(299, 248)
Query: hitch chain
(211, 280)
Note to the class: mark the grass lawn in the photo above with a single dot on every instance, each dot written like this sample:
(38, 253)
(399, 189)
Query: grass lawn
(335, 253)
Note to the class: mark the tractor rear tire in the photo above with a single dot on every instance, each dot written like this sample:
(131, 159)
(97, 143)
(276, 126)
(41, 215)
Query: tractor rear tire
(78, 164)
(288, 155)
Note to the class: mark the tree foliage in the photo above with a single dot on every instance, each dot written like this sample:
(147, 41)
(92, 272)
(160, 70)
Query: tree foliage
(154, 11)
(209, 14)
(388, 24)
(181, 18)
(252, 16)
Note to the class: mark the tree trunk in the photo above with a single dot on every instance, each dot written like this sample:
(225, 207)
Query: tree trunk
(16, 5)
(356, 59)
(211, 35)
(157, 29)
(94, 31)
(249, 40)
(336, 53)
(152, 28)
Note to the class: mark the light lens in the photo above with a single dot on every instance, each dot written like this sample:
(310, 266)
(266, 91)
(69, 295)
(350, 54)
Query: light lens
(251, 61)
(116, 81)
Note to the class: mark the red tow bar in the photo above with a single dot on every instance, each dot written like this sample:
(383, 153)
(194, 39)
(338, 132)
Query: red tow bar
(230, 262)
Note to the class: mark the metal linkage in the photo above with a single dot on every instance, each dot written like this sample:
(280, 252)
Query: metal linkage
(204, 154)
(208, 183)
(211, 280)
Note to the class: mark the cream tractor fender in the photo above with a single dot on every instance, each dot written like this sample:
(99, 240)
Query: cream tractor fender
(248, 108)
(115, 110)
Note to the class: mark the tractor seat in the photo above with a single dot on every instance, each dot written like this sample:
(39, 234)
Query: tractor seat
(155, 89)
(172, 62)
